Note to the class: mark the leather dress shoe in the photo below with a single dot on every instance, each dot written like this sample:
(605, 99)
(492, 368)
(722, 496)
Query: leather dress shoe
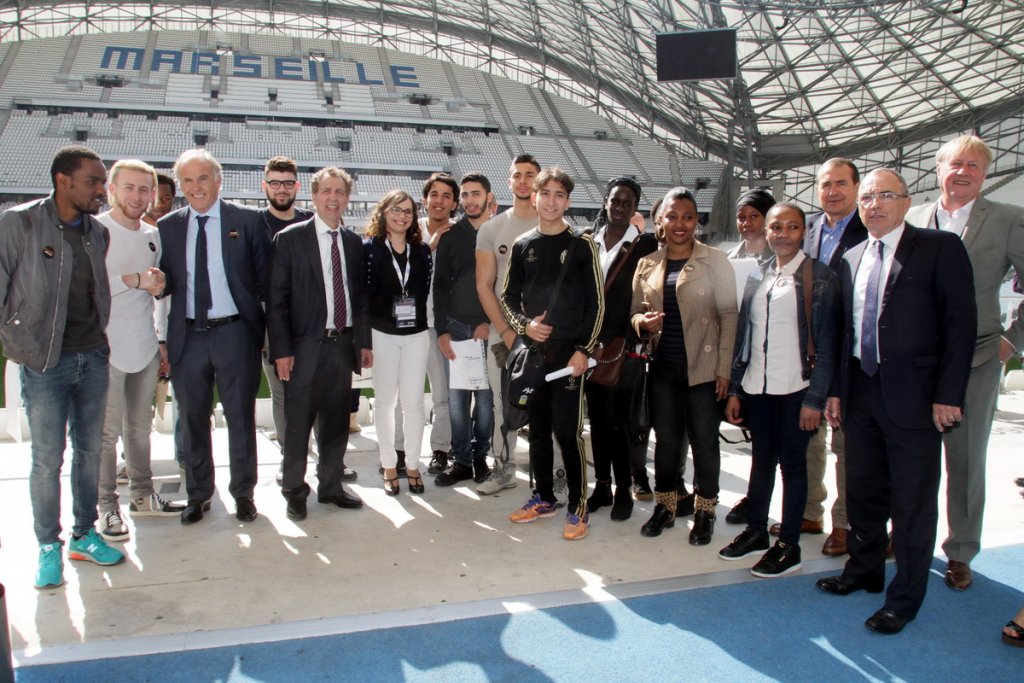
(886, 621)
(1019, 481)
(342, 499)
(245, 510)
(958, 575)
(349, 475)
(835, 544)
(841, 585)
(296, 509)
(194, 510)
(807, 526)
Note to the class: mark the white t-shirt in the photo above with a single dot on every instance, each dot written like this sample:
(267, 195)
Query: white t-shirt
(497, 236)
(130, 331)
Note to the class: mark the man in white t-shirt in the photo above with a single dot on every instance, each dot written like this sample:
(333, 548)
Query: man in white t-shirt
(493, 246)
(136, 358)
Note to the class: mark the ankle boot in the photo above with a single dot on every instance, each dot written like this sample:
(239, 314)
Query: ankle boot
(703, 520)
(664, 516)
(684, 504)
(602, 495)
(622, 507)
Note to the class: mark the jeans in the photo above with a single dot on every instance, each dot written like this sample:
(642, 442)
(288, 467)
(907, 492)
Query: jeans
(471, 437)
(129, 416)
(74, 393)
(677, 409)
(776, 437)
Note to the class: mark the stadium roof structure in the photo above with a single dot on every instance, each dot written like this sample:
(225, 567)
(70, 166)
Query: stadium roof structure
(817, 78)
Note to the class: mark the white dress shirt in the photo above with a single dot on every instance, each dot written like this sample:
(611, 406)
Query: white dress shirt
(606, 255)
(324, 241)
(860, 282)
(223, 304)
(953, 221)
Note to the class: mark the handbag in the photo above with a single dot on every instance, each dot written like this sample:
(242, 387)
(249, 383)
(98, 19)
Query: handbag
(612, 355)
(525, 364)
(610, 358)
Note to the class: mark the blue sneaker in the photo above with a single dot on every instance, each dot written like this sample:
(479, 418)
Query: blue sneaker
(51, 566)
(94, 549)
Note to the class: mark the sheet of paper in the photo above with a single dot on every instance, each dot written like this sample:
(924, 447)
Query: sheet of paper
(469, 369)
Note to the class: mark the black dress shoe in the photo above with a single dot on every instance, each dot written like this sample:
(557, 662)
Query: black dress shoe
(342, 499)
(194, 510)
(296, 509)
(841, 585)
(348, 475)
(886, 621)
(245, 510)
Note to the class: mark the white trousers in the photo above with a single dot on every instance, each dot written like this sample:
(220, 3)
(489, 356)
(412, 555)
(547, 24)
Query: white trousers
(399, 366)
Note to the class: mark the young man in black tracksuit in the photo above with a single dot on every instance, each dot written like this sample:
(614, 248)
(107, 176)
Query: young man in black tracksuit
(566, 335)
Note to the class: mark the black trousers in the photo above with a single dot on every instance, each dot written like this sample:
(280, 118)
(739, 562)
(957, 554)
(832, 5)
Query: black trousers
(318, 391)
(225, 357)
(608, 408)
(557, 408)
(891, 472)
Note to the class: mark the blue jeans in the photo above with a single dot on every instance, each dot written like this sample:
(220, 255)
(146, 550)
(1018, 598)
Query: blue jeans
(471, 438)
(72, 393)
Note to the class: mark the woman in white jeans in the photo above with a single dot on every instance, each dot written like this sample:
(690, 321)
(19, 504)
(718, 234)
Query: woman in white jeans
(398, 270)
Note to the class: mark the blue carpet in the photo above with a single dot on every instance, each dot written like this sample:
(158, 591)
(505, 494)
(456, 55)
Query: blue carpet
(763, 630)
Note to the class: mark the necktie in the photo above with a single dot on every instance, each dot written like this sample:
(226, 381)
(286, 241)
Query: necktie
(203, 298)
(339, 283)
(869, 323)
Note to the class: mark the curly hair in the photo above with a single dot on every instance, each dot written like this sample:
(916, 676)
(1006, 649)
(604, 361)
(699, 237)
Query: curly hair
(378, 228)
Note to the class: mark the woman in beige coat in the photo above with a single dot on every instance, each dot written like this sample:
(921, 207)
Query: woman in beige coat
(692, 337)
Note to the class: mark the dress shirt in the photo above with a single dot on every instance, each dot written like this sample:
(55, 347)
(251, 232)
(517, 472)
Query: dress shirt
(860, 282)
(830, 236)
(775, 367)
(223, 304)
(953, 221)
(607, 256)
(324, 240)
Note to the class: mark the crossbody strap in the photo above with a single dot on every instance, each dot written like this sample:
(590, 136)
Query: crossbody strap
(808, 295)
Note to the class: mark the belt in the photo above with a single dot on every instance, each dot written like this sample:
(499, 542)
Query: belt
(216, 322)
(330, 335)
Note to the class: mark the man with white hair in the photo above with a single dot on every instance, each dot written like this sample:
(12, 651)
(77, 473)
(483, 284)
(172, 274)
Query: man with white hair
(216, 259)
(994, 236)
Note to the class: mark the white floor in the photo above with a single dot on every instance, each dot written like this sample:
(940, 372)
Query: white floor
(411, 559)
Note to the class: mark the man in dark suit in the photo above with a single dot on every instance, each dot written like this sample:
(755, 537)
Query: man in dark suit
(318, 334)
(993, 234)
(909, 335)
(216, 259)
(831, 232)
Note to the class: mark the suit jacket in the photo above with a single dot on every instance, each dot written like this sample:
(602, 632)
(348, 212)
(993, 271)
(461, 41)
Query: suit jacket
(246, 251)
(297, 310)
(925, 328)
(853, 234)
(995, 241)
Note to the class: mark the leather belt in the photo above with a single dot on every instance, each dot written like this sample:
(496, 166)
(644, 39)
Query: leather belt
(330, 335)
(216, 322)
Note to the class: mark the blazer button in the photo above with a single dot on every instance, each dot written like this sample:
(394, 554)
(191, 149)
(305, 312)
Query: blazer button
(700, 292)
(707, 348)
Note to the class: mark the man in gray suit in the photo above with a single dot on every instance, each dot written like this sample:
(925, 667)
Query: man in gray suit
(994, 236)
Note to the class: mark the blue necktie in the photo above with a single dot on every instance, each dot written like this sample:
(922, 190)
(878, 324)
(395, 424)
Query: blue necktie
(203, 297)
(869, 323)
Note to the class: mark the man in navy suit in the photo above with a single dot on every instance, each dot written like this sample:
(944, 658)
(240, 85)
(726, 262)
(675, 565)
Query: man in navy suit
(831, 232)
(910, 321)
(318, 334)
(216, 259)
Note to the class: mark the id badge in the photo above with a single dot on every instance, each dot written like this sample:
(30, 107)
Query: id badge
(405, 312)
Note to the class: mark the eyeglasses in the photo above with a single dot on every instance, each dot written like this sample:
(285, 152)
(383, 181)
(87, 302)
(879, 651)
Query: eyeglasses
(882, 197)
(278, 184)
(399, 211)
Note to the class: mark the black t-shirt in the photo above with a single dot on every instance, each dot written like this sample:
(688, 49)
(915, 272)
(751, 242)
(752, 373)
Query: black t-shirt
(82, 328)
(672, 345)
(275, 225)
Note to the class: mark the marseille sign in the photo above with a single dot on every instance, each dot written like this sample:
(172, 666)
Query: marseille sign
(252, 66)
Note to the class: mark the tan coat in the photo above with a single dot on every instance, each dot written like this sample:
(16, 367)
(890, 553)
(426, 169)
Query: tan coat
(706, 296)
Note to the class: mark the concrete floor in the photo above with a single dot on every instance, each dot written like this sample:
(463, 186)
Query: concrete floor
(411, 555)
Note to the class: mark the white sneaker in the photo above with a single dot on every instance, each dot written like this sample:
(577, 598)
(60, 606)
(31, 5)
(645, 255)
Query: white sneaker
(154, 504)
(114, 528)
(499, 478)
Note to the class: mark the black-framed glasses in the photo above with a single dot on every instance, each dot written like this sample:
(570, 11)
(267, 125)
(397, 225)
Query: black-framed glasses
(278, 184)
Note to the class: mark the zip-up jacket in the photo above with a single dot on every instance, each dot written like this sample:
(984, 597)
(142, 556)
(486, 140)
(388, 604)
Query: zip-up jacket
(35, 276)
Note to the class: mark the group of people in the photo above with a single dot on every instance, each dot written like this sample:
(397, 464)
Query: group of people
(871, 318)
